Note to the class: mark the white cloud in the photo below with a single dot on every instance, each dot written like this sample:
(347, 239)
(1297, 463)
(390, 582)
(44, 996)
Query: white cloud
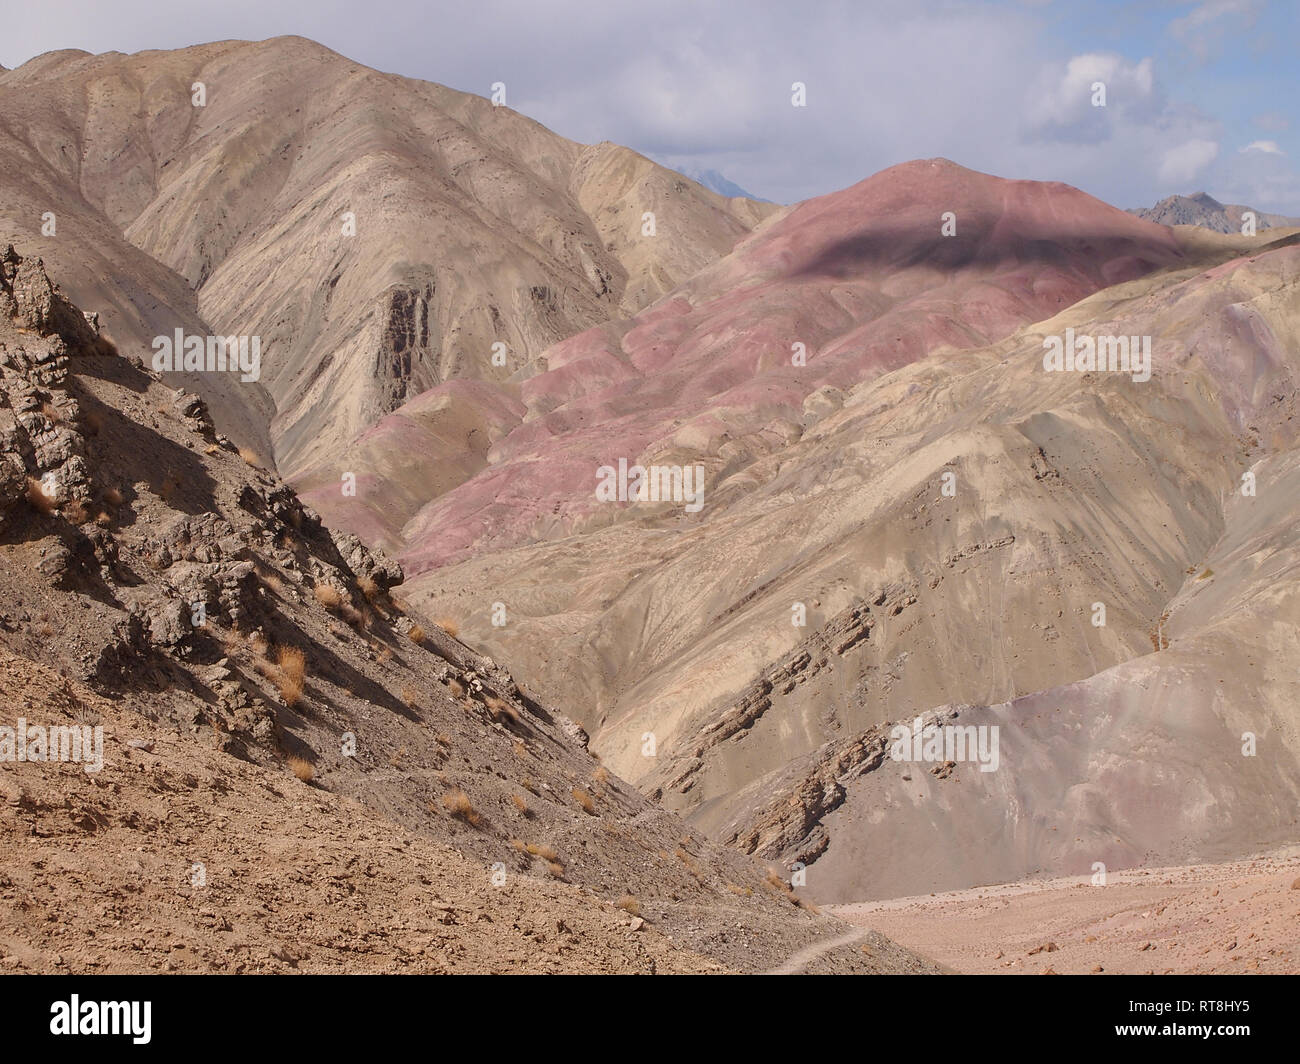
(1063, 108)
(1202, 27)
(1268, 146)
(1181, 164)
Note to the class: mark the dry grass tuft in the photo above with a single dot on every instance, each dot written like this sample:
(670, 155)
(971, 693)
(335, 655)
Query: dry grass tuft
(272, 582)
(449, 626)
(458, 804)
(251, 457)
(556, 869)
(293, 671)
(76, 512)
(410, 696)
(36, 497)
(304, 770)
(51, 413)
(629, 905)
(585, 800)
(416, 635)
(499, 707)
(369, 587)
(113, 497)
(327, 596)
(546, 853)
(520, 804)
(456, 688)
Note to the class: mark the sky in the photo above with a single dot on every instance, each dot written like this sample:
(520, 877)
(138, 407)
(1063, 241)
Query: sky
(1199, 94)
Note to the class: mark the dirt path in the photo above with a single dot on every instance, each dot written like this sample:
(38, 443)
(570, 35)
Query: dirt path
(798, 961)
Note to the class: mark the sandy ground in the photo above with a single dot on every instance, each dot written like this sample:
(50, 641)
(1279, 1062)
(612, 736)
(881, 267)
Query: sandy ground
(1235, 918)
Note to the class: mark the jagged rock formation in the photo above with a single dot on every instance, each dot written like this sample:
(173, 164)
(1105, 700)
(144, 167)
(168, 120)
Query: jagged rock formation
(1204, 210)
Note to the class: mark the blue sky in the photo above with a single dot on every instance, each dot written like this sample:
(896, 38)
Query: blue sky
(1201, 94)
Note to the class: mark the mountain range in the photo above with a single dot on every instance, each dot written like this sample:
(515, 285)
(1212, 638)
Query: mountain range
(397, 587)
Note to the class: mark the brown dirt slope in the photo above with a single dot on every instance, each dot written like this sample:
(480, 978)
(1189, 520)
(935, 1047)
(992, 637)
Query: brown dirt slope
(158, 584)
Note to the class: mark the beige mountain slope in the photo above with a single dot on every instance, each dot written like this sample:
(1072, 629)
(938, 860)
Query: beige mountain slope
(860, 281)
(473, 225)
(1072, 489)
(296, 773)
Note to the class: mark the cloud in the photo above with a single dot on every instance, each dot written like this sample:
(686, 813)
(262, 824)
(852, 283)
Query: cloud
(1202, 28)
(1067, 107)
(1181, 164)
(1269, 146)
(1002, 87)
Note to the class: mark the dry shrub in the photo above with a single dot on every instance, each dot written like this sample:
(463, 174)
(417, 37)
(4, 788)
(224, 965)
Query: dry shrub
(76, 512)
(629, 905)
(51, 413)
(359, 619)
(518, 844)
(744, 892)
(601, 775)
(585, 800)
(546, 853)
(36, 497)
(499, 707)
(410, 696)
(520, 804)
(211, 449)
(304, 770)
(369, 587)
(416, 634)
(383, 654)
(443, 738)
(556, 869)
(113, 497)
(527, 784)
(258, 644)
(103, 519)
(251, 457)
(449, 626)
(328, 596)
(293, 670)
(396, 759)
(456, 688)
(521, 750)
(271, 582)
(458, 804)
